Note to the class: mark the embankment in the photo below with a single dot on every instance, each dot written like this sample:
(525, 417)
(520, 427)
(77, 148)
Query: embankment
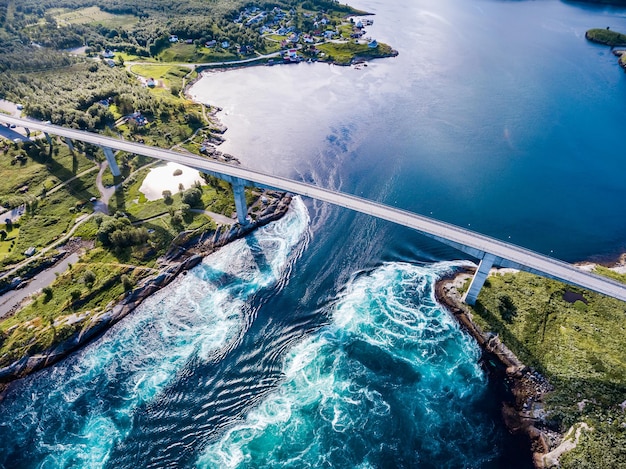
(522, 410)
(186, 252)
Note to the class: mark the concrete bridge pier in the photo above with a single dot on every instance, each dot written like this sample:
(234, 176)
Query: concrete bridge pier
(240, 200)
(111, 160)
(479, 278)
(27, 131)
(48, 138)
(69, 143)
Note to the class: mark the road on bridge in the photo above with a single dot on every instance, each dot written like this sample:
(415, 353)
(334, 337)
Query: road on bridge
(468, 241)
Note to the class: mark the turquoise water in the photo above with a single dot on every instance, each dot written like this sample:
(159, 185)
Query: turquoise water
(316, 341)
(390, 382)
(73, 414)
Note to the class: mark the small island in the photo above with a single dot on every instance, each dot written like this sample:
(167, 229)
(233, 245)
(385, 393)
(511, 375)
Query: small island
(609, 38)
(606, 37)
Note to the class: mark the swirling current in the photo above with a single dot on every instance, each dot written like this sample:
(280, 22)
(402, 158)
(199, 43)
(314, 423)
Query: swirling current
(194, 378)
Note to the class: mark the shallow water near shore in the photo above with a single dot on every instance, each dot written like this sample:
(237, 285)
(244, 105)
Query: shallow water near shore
(317, 341)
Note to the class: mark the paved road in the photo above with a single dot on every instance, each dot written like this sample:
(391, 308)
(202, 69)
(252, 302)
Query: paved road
(13, 298)
(192, 66)
(466, 240)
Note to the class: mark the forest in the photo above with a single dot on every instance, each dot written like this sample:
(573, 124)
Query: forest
(76, 90)
(33, 33)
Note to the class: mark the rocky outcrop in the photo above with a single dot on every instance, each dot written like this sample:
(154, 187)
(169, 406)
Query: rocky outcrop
(622, 57)
(189, 243)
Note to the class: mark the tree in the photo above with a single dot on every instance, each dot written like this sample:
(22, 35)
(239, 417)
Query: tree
(192, 197)
(185, 209)
(75, 295)
(127, 283)
(47, 294)
(177, 219)
(89, 278)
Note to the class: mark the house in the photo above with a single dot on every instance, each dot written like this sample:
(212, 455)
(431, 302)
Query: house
(372, 44)
(173, 38)
(150, 83)
(137, 118)
(291, 56)
(211, 44)
(188, 41)
(30, 251)
(109, 62)
(107, 54)
(225, 44)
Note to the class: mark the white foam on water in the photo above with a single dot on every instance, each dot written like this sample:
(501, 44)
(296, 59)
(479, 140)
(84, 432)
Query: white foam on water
(95, 392)
(336, 404)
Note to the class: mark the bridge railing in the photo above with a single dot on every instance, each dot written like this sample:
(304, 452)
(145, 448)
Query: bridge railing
(473, 243)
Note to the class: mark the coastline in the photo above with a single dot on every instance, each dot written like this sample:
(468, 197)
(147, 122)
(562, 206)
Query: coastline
(525, 390)
(186, 252)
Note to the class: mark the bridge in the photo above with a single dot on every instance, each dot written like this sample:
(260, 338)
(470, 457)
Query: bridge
(489, 251)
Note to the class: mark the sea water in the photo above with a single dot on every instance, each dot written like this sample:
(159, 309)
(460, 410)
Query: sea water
(317, 341)
(390, 382)
(72, 414)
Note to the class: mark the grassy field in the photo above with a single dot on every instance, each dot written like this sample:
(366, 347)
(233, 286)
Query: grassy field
(188, 53)
(576, 339)
(92, 15)
(172, 76)
(606, 36)
(27, 175)
(75, 297)
(343, 53)
(7, 246)
(38, 171)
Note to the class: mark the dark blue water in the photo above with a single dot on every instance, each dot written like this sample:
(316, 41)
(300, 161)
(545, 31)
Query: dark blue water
(317, 341)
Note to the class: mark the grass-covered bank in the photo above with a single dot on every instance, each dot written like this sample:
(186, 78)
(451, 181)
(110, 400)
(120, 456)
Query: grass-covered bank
(575, 339)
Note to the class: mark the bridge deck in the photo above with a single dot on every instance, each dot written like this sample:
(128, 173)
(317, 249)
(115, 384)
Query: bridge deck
(468, 241)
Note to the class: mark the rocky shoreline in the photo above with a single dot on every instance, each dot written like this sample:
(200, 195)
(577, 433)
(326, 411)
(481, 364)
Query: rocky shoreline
(523, 409)
(621, 54)
(186, 252)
